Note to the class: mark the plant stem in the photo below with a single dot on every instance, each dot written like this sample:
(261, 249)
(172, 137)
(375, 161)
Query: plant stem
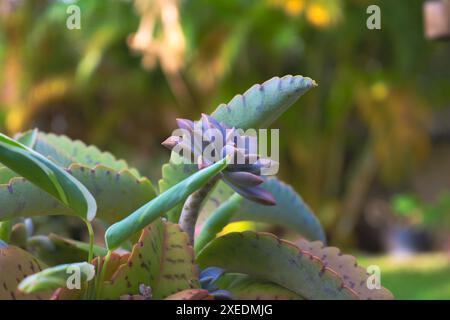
(101, 274)
(91, 253)
(91, 241)
(216, 221)
(192, 206)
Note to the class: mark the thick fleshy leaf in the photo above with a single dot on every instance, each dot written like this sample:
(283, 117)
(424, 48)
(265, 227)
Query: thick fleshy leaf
(6, 174)
(75, 151)
(28, 139)
(56, 250)
(257, 108)
(48, 176)
(161, 259)
(173, 173)
(121, 231)
(263, 103)
(243, 287)
(306, 272)
(290, 211)
(354, 277)
(64, 152)
(217, 221)
(117, 193)
(57, 277)
(15, 265)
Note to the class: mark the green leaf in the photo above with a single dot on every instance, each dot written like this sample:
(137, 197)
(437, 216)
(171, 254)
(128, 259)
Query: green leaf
(5, 230)
(310, 270)
(6, 174)
(290, 212)
(257, 108)
(117, 193)
(47, 176)
(243, 287)
(263, 103)
(28, 138)
(161, 259)
(67, 151)
(15, 265)
(217, 221)
(55, 250)
(56, 277)
(173, 173)
(121, 231)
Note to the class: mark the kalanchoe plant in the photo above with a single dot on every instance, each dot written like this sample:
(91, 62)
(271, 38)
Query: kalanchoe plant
(147, 253)
(208, 141)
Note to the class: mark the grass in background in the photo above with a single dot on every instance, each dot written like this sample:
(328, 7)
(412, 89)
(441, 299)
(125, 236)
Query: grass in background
(422, 276)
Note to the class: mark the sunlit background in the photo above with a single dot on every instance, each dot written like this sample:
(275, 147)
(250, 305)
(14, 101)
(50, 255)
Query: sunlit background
(368, 149)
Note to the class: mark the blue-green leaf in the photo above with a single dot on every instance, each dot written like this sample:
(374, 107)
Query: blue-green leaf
(290, 212)
(47, 176)
(263, 103)
(122, 230)
(257, 108)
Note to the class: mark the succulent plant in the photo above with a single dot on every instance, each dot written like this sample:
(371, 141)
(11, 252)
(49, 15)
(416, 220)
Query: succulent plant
(150, 251)
(208, 141)
(243, 172)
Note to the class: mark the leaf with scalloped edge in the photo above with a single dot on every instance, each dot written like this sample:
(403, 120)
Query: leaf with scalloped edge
(162, 260)
(48, 176)
(15, 265)
(191, 294)
(290, 212)
(257, 108)
(263, 103)
(305, 272)
(354, 276)
(63, 149)
(117, 193)
(243, 287)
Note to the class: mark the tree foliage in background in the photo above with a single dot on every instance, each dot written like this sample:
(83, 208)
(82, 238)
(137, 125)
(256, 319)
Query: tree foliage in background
(137, 64)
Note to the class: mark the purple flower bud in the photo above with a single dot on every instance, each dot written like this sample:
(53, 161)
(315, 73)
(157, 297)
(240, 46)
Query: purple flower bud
(242, 178)
(185, 124)
(257, 194)
(171, 142)
(208, 137)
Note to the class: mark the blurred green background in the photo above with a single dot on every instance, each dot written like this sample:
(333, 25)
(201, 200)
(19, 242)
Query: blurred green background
(369, 149)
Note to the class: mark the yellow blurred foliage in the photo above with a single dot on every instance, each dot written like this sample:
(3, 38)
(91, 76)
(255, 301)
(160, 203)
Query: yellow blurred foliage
(39, 96)
(318, 15)
(15, 120)
(294, 7)
(379, 91)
